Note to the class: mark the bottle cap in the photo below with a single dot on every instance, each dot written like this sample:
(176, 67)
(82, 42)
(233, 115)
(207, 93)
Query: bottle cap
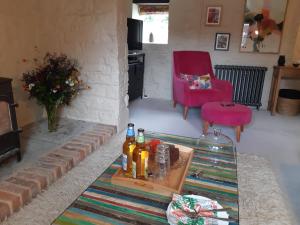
(130, 125)
(141, 130)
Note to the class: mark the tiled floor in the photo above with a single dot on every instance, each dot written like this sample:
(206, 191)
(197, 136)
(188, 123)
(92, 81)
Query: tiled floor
(276, 138)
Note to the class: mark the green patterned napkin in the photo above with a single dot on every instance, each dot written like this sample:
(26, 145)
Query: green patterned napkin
(188, 209)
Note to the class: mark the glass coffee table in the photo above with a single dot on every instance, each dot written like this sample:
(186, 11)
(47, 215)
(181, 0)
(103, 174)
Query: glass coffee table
(212, 174)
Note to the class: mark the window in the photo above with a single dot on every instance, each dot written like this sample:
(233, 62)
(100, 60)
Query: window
(155, 22)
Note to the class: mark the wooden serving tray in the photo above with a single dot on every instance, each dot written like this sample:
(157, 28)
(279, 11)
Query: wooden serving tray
(172, 183)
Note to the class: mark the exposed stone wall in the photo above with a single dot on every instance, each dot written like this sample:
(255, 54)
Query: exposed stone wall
(123, 62)
(187, 31)
(88, 30)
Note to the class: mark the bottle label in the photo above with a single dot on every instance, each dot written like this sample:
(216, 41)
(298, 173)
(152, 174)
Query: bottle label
(140, 139)
(146, 168)
(130, 132)
(133, 169)
(129, 158)
(124, 162)
(131, 148)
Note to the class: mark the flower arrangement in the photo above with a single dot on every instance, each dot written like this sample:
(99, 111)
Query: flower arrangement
(54, 82)
(260, 27)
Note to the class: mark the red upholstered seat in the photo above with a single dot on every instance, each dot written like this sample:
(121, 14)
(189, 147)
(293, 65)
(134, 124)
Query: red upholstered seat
(196, 63)
(236, 115)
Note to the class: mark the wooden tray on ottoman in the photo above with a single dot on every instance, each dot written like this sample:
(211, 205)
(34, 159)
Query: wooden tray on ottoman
(172, 183)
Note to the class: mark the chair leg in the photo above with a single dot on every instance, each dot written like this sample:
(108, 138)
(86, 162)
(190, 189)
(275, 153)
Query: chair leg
(242, 128)
(19, 155)
(174, 104)
(186, 109)
(205, 127)
(238, 133)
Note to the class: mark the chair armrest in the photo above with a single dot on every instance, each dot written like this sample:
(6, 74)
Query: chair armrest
(221, 85)
(226, 87)
(180, 84)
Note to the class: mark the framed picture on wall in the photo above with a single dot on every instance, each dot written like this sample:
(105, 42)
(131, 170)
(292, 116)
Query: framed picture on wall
(222, 41)
(213, 15)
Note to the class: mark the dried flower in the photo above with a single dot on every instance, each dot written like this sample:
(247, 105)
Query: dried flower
(55, 81)
(30, 86)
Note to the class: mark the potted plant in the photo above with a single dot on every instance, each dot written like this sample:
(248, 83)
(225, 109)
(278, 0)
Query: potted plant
(54, 82)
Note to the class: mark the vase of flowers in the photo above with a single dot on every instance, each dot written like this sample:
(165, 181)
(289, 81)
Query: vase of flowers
(54, 82)
(51, 111)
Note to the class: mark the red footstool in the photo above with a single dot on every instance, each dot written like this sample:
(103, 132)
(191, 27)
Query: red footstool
(229, 114)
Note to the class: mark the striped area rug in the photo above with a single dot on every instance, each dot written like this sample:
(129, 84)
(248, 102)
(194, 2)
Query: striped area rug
(105, 203)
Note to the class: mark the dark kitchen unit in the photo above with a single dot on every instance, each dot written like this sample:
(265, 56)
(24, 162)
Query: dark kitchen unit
(9, 131)
(136, 63)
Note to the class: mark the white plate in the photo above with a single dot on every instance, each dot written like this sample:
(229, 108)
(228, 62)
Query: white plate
(222, 214)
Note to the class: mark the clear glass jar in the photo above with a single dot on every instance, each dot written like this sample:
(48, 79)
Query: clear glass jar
(217, 142)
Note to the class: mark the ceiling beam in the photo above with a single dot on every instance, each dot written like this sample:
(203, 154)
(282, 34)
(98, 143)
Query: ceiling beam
(151, 1)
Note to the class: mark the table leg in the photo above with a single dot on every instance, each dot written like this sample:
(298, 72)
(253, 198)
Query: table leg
(276, 92)
(238, 133)
(271, 95)
(242, 128)
(205, 127)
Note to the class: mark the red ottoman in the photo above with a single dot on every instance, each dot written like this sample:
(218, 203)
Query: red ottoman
(229, 114)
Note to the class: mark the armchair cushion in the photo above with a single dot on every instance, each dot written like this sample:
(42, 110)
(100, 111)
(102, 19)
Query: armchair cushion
(196, 81)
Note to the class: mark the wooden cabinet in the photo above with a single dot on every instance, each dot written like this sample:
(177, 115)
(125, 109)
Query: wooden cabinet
(280, 73)
(136, 64)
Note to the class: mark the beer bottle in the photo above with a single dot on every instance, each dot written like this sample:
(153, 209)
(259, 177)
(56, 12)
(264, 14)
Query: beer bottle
(140, 157)
(128, 147)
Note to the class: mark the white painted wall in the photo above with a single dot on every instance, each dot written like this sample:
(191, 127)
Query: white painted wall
(18, 29)
(187, 31)
(92, 31)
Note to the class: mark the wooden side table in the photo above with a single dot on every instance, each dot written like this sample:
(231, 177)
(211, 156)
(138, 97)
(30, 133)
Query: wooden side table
(279, 73)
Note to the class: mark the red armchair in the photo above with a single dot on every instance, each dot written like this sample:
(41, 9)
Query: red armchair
(196, 63)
